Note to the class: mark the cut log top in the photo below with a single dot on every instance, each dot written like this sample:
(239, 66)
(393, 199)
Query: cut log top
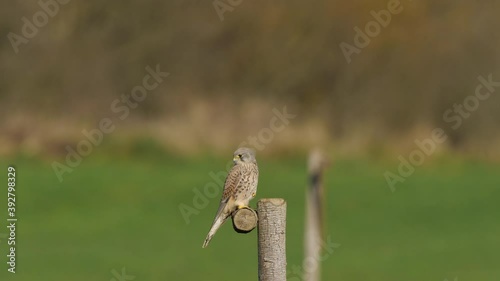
(244, 220)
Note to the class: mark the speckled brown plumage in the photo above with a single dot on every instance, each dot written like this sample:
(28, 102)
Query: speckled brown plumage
(239, 188)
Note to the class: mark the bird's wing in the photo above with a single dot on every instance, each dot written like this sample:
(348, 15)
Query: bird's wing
(232, 181)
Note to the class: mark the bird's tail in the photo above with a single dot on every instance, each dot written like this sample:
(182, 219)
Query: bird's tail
(215, 226)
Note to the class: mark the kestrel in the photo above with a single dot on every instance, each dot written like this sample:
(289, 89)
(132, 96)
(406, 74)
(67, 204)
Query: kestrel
(240, 187)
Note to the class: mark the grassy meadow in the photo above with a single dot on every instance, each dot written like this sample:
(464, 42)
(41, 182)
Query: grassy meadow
(166, 90)
(123, 212)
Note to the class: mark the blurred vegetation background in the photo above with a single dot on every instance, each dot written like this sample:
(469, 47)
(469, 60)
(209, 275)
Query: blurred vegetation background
(119, 208)
(226, 76)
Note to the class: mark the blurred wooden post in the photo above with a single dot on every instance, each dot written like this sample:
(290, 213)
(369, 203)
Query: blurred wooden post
(272, 232)
(314, 217)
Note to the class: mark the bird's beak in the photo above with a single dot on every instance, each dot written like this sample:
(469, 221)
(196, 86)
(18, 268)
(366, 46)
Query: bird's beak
(235, 158)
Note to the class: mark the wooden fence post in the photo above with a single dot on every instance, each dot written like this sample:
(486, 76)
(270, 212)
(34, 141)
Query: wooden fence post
(271, 244)
(314, 216)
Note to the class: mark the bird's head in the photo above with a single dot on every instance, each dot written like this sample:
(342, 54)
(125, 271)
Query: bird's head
(245, 155)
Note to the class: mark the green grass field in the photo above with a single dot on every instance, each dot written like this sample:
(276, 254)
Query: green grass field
(443, 222)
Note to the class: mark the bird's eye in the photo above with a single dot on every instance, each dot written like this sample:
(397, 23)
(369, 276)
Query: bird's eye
(239, 155)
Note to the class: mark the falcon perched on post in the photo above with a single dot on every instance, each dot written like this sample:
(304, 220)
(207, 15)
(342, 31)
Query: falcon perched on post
(240, 187)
